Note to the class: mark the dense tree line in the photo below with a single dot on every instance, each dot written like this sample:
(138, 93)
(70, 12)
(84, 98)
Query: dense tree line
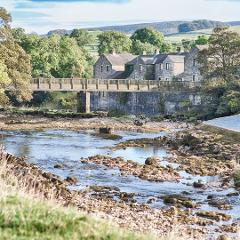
(198, 25)
(220, 67)
(57, 56)
(15, 66)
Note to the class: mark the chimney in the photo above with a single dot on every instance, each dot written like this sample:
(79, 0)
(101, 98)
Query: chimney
(157, 51)
(181, 49)
(144, 53)
(112, 51)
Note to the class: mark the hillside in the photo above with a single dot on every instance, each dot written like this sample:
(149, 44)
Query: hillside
(178, 37)
(167, 27)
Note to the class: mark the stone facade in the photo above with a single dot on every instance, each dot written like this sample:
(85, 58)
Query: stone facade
(111, 66)
(147, 103)
(162, 67)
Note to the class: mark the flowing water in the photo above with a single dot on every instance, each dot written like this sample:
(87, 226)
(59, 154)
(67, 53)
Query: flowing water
(50, 147)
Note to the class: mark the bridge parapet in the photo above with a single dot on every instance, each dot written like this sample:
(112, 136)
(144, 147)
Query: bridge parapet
(109, 85)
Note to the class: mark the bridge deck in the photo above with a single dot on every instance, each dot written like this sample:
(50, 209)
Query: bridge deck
(108, 85)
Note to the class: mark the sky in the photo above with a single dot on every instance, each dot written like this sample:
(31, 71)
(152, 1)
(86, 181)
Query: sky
(43, 15)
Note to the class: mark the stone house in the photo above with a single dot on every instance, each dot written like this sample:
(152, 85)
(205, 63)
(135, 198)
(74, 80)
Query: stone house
(111, 66)
(162, 67)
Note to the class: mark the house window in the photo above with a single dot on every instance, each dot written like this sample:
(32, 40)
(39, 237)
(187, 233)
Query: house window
(101, 68)
(140, 68)
(160, 66)
(194, 78)
(167, 66)
(108, 68)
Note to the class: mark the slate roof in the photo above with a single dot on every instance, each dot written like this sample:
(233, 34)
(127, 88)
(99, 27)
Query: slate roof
(119, 59)
(156, 59)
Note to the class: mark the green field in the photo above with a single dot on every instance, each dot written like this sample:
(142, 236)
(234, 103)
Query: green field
(178, 37)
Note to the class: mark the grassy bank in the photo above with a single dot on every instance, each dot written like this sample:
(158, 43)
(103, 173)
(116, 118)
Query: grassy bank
(24, 215)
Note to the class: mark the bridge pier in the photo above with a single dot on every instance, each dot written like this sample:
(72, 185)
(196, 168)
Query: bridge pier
(83, 102)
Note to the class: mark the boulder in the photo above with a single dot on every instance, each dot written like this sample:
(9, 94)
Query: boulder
(105, 130)
(153, 161)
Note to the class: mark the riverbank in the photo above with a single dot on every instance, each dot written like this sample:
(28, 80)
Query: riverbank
(26, 214)
(11, 121)
(189, 188)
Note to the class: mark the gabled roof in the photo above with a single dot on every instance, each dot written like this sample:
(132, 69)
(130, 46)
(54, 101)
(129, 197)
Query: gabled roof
(119, 59)
(156, 59)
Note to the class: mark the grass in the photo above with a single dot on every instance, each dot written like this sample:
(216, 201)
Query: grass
(27, 216)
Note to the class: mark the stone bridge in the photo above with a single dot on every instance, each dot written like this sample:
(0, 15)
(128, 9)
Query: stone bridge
(85, 86)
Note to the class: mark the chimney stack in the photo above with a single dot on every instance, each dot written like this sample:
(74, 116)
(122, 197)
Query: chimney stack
(157, 51)
(112, 51)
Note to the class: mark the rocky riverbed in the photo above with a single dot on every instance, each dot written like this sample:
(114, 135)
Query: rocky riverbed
(145, 182)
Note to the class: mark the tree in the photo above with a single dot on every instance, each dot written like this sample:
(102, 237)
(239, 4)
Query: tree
(4, 82)
(220, 68)
(82, 37)
(15, 62)
(139, 48)
(221, 59)
(151, 36)
(201, 40)
(113, 41)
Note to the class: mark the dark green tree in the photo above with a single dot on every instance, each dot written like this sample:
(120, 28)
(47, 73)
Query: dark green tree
(82, 37)
(113, 41)
(152, 37)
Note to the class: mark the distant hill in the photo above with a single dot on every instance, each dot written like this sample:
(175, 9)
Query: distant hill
(167, 28)
(199, 25)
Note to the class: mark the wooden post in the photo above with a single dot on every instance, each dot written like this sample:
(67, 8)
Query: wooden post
(118, 84)
(128, 84)
(138, 84)
(148, 84)
(84, 102)
(97, 84)
(38, 83)
(71, 83)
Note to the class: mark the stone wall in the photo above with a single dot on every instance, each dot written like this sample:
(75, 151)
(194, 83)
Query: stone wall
(152, 103)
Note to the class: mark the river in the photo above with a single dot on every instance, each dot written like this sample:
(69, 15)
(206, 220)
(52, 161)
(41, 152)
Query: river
(47, 148)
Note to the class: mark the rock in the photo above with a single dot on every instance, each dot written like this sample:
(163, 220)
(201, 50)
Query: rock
(153, 161)
(105, 130)
(179, 200)
(198, 184)
(151, 200)
(71, 180)
(59, 166)
(234, 194)
(214, 216)
(224, 237)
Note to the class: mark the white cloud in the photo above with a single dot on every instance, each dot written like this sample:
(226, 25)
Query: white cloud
(70, 15)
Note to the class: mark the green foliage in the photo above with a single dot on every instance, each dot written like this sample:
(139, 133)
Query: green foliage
(113, 41)
(139, 47)
(14, 62)
(201, 40)
(151, 37)
(25, 218)
(220, 68)
(57, 56)
(4, 81)
(221, 59)
(82, 37)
